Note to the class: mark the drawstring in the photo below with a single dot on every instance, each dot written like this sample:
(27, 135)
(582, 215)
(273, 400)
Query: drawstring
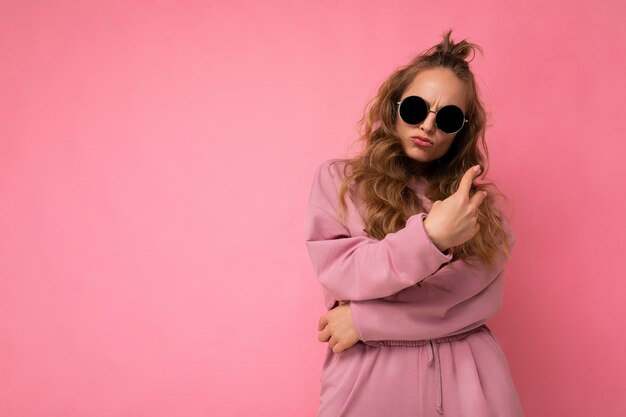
(433, 353)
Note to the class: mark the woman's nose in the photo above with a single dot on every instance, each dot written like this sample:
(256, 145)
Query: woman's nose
(429, 123)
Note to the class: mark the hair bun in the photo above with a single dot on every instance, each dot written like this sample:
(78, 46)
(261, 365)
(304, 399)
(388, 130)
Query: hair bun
(460, 50)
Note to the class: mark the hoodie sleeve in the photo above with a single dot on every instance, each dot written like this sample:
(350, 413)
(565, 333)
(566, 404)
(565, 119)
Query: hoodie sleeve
(360, 267)
(454, 299)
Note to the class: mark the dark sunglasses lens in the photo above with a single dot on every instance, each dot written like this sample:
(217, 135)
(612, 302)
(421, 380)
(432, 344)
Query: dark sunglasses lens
(450, 119)
(413, 110)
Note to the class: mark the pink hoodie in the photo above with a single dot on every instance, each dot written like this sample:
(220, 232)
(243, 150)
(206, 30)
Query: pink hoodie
(401, 287)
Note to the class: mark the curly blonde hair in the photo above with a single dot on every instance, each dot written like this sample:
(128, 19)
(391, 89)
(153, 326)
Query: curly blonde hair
(381, 174)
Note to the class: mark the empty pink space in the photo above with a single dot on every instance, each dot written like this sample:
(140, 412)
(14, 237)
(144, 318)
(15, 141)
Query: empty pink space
(155, 164)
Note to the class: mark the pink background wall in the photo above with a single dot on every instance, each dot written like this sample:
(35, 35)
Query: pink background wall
(155, 164)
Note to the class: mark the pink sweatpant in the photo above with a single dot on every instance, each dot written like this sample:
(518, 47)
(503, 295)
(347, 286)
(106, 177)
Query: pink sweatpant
(468, 377)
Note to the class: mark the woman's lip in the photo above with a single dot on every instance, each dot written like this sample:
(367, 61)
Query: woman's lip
(418, 140)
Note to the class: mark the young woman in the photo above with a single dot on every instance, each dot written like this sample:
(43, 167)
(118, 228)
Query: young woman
(410, 250)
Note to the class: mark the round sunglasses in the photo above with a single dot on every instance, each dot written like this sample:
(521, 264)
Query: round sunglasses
(414, 110)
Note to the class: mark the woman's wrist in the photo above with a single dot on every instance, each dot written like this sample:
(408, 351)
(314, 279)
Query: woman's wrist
(438, 244)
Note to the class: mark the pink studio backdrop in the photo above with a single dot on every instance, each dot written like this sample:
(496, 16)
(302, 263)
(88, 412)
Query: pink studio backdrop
(155, 164)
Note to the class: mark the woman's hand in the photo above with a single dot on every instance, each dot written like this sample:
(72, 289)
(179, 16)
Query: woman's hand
(454, 221)
(337, 329)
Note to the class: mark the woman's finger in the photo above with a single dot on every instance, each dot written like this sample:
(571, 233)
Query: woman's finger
(466, 181)
(324, 335)
(323, 321)
(477, 199)
(338, 348)
(333, 341)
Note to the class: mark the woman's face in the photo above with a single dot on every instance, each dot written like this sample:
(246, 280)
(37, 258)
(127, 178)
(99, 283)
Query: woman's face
(439, 87)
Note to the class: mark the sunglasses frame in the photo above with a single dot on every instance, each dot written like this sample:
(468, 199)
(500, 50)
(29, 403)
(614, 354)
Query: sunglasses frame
(399, 103)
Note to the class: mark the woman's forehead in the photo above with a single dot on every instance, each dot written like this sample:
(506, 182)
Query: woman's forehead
(438, 86)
